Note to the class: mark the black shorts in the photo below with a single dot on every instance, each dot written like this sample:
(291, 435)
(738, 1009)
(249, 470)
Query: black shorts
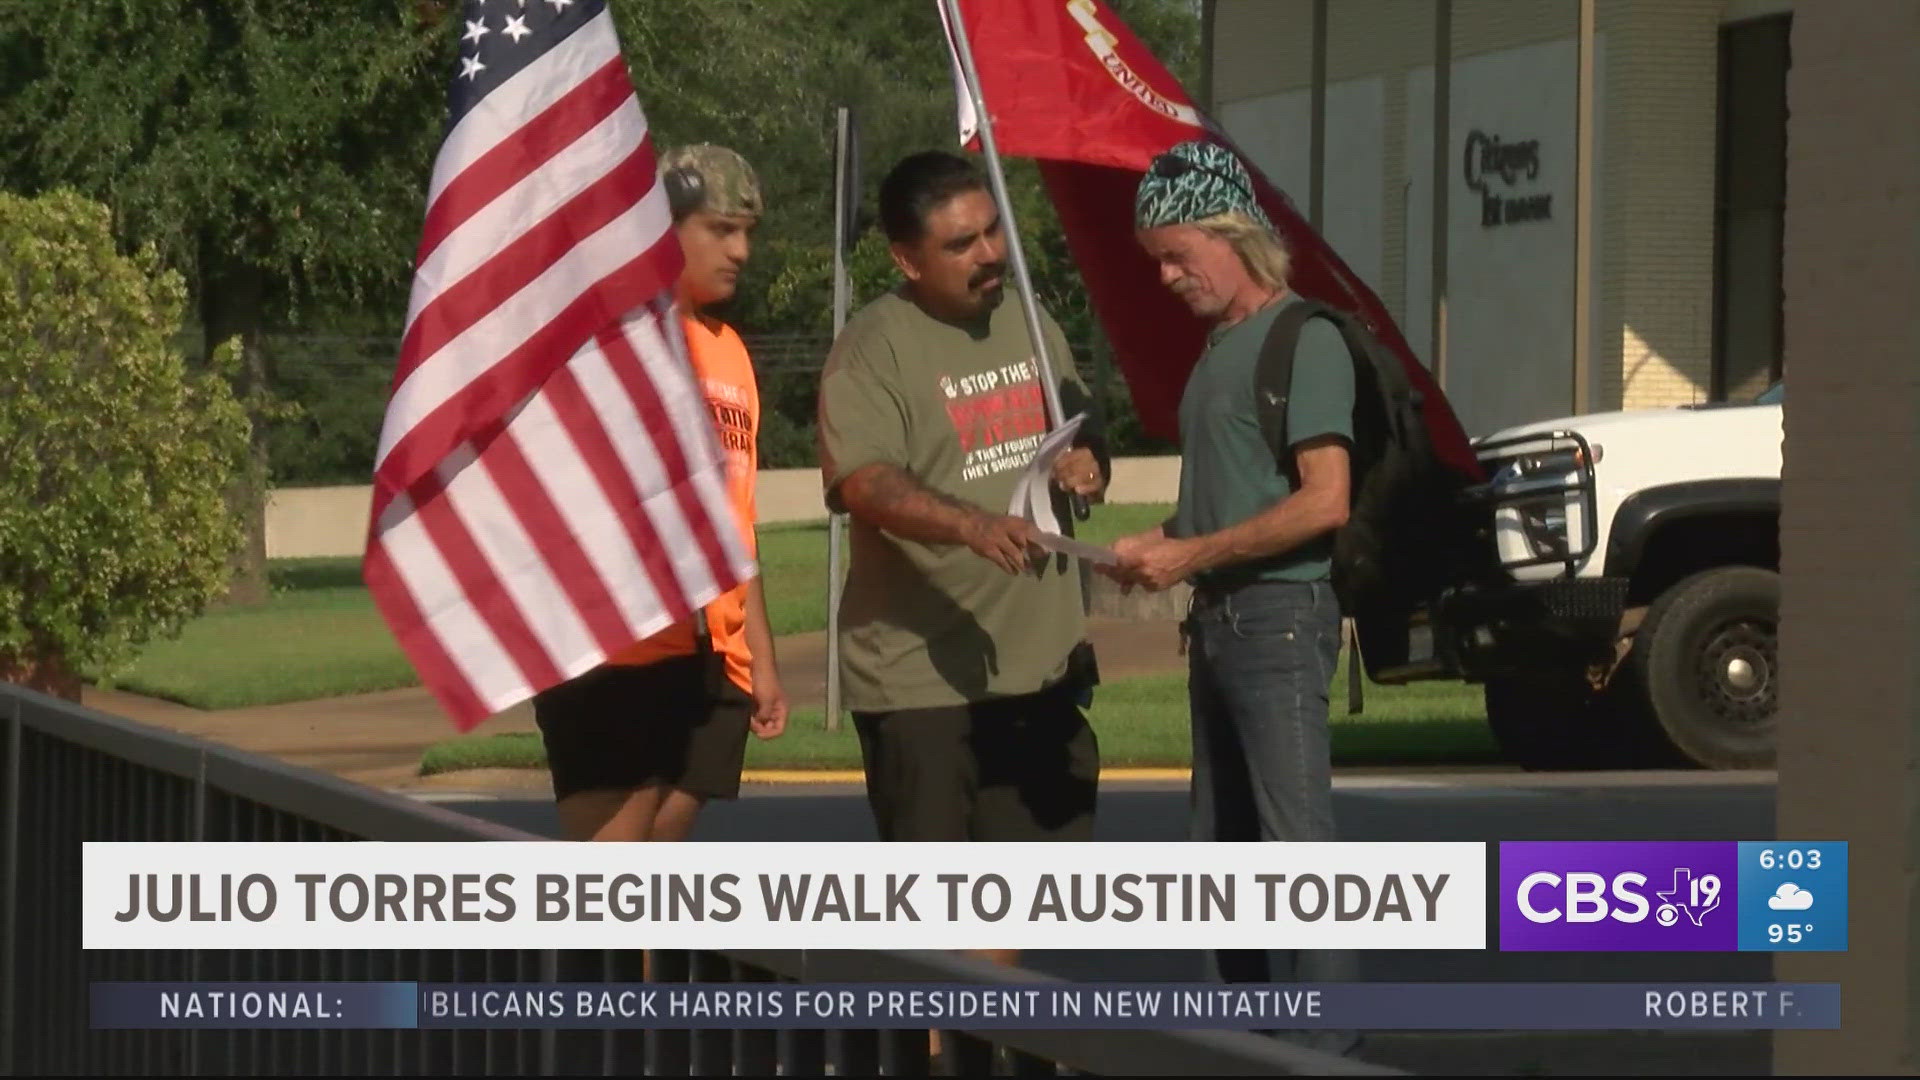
(676, 722)
(1019, 768)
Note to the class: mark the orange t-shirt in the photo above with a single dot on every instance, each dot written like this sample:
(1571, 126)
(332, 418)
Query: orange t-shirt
(725, 375)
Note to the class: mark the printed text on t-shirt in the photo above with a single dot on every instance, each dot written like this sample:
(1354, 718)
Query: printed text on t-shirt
(732, 423)
(999, 416)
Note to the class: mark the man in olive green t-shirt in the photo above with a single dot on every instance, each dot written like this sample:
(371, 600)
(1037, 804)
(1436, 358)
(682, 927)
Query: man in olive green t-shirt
(1252, 534)
(961, 642)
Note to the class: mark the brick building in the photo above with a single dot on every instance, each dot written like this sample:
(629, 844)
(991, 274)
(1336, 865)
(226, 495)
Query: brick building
(1684, 181)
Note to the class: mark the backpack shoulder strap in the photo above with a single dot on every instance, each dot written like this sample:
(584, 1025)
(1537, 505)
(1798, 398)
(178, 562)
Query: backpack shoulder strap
(1273, 375)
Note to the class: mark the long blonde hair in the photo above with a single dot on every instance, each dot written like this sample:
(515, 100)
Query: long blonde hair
(1265, 257)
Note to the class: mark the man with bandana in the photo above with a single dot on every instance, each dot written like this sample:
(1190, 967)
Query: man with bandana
(1253, 539)
(638, 745)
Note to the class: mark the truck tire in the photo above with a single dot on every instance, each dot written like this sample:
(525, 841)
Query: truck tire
(1706, 664)
(1556, 722)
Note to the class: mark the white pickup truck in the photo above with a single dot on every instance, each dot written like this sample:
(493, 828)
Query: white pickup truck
(1631, 614)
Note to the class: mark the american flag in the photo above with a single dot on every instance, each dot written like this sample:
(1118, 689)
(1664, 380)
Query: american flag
(548, 488)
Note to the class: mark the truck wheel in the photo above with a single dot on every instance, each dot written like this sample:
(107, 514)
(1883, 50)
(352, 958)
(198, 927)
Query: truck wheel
(1555, 722)
(1707, 664)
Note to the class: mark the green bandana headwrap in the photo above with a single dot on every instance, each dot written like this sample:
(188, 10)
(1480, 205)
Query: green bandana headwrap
(1206, 179)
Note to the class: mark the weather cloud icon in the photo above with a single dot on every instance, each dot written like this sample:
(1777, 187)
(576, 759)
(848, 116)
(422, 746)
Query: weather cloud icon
(1790, 897)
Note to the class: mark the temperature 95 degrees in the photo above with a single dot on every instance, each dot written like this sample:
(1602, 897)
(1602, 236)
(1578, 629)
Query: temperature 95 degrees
(1788, 933)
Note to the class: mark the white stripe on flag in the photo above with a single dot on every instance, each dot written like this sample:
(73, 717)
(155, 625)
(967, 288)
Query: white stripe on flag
(587, 514)
(465, 637)
(531, 91)
(632, 442)
(468, 357)
(518, 565)
(535, 527)
(693, 428)
(527, 203)
(613, 412)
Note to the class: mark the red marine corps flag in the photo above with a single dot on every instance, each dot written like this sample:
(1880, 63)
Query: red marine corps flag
(548, 488)
(1067, 83)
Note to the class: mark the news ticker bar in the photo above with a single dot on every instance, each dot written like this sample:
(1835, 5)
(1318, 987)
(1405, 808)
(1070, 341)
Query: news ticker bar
(1584, 896)
(1149, 1006)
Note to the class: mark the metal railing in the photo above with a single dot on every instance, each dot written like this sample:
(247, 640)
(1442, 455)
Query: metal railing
(70, 774)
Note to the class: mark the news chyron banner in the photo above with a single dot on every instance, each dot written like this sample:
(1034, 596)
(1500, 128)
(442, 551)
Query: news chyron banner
(556, 895)
(1687, 896)
(1559, 896)
(1571, 897)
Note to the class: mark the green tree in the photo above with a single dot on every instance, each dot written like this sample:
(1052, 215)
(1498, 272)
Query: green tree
(276, 153)
(765, 78)
(115, 455)
(273, 152)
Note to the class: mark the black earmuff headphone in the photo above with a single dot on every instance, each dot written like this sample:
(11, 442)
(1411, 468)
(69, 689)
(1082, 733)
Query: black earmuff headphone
(686, 190)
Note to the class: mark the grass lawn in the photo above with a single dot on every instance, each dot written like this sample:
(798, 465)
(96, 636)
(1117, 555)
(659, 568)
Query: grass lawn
(1140, 721)
(793, 567)
(320, 635)
(793, 558)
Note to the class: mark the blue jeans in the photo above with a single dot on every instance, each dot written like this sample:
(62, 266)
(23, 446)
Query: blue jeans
(1260, 660)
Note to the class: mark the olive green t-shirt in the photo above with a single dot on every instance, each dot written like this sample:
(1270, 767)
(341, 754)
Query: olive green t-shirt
(963, 411)
(1227, 472)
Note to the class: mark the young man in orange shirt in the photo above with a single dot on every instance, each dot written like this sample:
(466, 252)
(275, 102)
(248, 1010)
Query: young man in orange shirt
(637, 745)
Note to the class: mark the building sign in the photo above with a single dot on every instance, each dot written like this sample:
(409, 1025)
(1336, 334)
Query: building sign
(1494, 169)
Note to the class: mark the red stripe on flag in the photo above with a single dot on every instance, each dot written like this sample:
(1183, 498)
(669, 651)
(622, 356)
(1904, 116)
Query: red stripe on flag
(480, 580)
(455, 389)
(430, 659)
(511, 269)
(603, 461)
(530, 146)
(566, 560)
(628, 369)
(520, 372)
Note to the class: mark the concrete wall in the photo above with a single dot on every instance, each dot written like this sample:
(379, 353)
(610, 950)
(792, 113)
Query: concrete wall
(316, 522)
(1850, 527)
(1510, 286)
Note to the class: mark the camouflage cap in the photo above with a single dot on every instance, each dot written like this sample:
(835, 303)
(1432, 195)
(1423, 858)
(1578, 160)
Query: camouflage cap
(1192, 181)
(708, 177)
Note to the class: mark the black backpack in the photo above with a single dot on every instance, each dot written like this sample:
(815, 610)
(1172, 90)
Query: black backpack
(1406, 535)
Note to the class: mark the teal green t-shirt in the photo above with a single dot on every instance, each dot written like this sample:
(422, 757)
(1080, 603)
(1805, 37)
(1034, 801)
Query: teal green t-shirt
(1227, 472)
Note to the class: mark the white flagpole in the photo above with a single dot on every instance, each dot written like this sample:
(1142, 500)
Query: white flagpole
(971, 82)
(844, 201)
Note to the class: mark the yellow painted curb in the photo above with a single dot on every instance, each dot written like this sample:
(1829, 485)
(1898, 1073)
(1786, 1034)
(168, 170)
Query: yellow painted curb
(856, 776)
(802, 776)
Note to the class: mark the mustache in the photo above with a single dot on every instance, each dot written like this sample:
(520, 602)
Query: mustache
(985, 273)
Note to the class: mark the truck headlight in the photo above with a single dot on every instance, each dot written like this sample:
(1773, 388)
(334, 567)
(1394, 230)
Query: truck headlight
(1549, 464)
(1536, 496)
(1544, 526)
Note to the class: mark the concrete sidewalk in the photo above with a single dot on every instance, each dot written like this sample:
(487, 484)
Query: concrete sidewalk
(377, 739)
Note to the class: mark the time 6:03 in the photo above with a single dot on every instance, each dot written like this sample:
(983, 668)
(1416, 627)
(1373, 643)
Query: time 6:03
(1790, 859)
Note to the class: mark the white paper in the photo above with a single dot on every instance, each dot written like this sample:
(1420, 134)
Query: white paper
(1079, 549)
(1032, 493)
(1033, 497)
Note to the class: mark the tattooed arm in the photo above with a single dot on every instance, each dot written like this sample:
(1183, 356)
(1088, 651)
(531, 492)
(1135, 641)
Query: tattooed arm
(890, 498)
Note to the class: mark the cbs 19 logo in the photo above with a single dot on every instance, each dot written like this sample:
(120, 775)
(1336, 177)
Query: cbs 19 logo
(1582, 896)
